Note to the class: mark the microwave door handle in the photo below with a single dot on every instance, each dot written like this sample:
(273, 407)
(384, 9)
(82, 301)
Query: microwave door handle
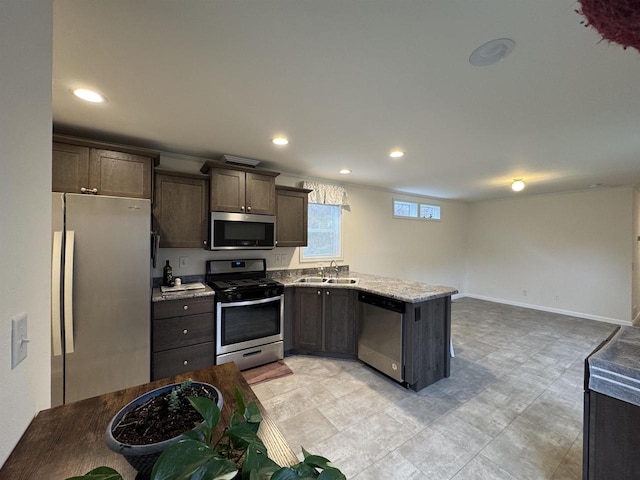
(56, 263)
(68, 291)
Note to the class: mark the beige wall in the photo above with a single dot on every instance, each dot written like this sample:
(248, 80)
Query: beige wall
(572, 252)
(25, 212)
(374, 242)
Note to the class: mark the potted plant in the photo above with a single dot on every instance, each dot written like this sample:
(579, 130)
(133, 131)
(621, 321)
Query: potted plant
(237, 453)
(146, 426)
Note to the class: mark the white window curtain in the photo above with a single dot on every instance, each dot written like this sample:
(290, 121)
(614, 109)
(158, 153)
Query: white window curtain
(326, 194)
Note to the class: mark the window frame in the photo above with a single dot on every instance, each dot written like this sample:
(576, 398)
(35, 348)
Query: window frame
(316, 259)
(418, 208)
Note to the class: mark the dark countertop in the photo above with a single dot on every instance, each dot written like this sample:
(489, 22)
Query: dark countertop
(66, 441)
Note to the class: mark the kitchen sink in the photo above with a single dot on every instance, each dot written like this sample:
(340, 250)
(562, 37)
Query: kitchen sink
(344, 281)
(334, 281)
(311, 280)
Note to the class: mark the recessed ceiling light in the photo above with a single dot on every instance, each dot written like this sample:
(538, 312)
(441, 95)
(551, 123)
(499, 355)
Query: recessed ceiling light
(396, 154)
(89, 95)
(491, 52)
(280, 141)
(517, 185)
(345, 171)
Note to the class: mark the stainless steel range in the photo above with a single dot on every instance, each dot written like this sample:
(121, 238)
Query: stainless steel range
(249, 312)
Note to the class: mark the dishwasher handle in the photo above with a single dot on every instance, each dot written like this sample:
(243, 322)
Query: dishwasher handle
(386, 303)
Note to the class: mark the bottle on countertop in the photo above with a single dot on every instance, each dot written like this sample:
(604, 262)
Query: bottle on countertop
(167, 275)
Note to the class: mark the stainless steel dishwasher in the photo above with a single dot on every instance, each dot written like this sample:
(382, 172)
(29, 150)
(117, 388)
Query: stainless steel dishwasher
(380, 334)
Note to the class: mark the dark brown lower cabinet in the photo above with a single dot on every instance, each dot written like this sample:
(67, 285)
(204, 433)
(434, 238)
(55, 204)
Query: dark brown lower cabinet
(183, 336)
(324, 321)
(611, 438)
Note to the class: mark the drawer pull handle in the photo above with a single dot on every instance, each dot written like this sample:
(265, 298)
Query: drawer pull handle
(185, 362)
(185, 307)
(252, 353)
(185, 331)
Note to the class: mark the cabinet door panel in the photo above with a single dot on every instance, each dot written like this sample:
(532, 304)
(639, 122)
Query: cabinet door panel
(339, 326)
(227, 190)
(308, 323)
(180, 211)
(70, 168)
(260, 194)
(120, 174)
(291, 218)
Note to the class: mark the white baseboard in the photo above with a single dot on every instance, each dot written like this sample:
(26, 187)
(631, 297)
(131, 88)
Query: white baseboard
(550, 310)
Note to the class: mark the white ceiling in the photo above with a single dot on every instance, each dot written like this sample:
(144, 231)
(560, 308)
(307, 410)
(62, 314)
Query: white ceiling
(349, 80)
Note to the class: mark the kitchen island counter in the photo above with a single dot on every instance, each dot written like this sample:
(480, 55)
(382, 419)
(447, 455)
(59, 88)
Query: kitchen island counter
(68, 440)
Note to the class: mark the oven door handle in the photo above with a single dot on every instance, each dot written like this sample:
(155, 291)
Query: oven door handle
(250, 302)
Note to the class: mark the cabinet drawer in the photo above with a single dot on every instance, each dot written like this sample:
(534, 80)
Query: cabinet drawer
(177, 332)
(181, 360)
(188, 306)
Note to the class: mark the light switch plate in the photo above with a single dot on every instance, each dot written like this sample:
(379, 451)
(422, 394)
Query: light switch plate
(19, 339)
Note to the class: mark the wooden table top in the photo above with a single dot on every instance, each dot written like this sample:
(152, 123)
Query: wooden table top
(68, 440)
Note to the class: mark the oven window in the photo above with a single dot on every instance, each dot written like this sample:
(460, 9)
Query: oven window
(249, 322)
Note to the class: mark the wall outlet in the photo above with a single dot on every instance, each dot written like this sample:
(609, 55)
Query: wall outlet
(524, 293)
(278, 258)
(556, 298)
(19, 340)
(182, 262)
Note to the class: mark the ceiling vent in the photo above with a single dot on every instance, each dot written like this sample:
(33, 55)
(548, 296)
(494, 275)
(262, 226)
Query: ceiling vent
(245, 162)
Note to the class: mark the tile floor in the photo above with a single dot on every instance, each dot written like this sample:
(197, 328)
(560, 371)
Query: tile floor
(512, 408)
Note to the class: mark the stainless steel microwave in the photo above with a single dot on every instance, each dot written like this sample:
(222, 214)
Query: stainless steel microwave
(240, 231)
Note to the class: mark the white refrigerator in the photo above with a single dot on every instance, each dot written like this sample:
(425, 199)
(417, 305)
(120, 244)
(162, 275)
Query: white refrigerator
(101, 290)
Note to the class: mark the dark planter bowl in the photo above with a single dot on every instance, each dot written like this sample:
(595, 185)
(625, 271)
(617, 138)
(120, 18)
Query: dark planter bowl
(144, 457)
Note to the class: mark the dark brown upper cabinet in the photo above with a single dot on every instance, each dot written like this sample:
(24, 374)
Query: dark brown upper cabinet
(291, 216)
(87, 166)
(241, 190)
(181, 209)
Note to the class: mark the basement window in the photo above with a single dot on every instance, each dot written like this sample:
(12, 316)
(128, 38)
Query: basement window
(415, 210)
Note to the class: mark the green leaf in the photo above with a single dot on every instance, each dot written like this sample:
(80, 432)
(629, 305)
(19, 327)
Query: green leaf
(257, 460)
(208, 409)
(216, 469)
(331, 474)
(304, 470)
(190, 434)
(285, 473)
(242, 435)
(240, 407)
(181, 460)
(100, 473)
(252, 413)
(317, 461)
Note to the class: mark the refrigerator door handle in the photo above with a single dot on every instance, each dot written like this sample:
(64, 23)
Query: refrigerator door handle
(68, 291)
(155, 245)
(56, 262)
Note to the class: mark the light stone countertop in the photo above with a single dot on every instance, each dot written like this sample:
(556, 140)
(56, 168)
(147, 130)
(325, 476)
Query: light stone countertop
(404, 290)
(158, 296)
(614, 370)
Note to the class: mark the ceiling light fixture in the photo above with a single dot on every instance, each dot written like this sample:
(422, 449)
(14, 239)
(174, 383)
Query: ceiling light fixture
(89, 95)
(345, 171)
(280, 141)
(396, 154)
(492, 52)
(517, 185)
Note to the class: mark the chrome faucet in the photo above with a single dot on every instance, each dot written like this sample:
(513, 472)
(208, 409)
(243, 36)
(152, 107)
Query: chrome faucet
(335, 268)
